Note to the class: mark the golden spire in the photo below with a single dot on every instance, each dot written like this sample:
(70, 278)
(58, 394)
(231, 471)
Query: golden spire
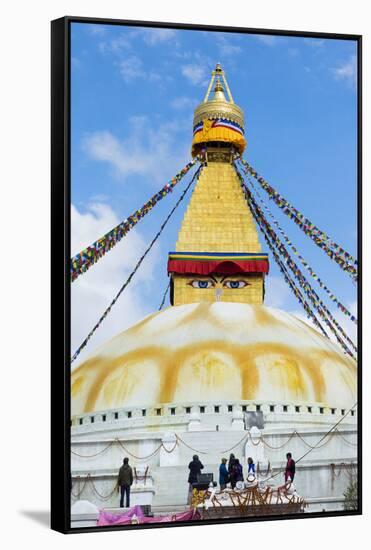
(218, 254)
(219, 92)
(218, 119)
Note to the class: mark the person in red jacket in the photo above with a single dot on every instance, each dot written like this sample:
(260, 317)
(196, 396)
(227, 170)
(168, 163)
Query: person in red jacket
(290, 468)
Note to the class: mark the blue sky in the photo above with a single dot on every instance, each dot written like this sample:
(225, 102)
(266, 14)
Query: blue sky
(133, 96)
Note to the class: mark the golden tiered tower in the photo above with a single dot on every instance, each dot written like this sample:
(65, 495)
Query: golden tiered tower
(218, 254)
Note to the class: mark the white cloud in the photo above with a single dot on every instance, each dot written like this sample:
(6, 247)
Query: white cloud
(183, 102)
(157, 36)
(347, 325)
(92, 292)
(314, 42)
(225, 46)
(267, 39)
(96, 30)
(124, 41)
(87, 227)
(99, 197)
(154, 152)
(115, 45)
(131, 68)
(276, 292)
(347, 71)
(195, 73)
(345, 322)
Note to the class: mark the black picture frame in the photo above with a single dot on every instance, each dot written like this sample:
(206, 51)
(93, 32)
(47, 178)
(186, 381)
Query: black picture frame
(60, 258)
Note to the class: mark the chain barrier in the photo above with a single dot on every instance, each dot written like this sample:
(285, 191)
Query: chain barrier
(246, 437)
(333, 428)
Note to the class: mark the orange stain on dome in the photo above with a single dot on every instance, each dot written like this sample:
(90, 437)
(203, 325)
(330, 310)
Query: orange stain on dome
(207, 366)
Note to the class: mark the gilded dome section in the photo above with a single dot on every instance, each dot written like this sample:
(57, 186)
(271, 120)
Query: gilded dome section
(215, 352)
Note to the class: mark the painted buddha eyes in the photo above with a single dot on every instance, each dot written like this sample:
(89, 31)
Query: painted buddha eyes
(202, 284)
(197, 283)
(235, 284)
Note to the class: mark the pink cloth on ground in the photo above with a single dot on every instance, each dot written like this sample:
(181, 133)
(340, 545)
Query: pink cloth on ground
(125, 518)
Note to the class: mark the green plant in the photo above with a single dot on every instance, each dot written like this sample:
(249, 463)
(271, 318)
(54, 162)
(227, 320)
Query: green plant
(351, 496)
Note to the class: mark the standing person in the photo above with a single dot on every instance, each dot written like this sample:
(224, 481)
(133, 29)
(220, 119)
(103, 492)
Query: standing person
(195, 467)
(238, 472)
(231, 461)
(125, 481)
(290, 468)
(223, 474)
(250, 466)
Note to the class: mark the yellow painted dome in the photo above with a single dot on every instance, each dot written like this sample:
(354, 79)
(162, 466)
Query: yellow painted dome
(215, 352)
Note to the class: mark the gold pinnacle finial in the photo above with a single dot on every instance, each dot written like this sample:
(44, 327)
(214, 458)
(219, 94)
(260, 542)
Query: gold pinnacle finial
(218, 87)
(218, 92)
(218, 118)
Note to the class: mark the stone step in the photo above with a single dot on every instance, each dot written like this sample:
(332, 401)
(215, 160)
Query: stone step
(164, 510)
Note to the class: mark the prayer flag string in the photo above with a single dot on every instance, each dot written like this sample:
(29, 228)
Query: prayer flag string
(256, 214)
(288, 279)
(346, 262)
(312, 295)
(328, 313)
(107, 311)
(82, 261)
(306, 265)
(164, 296)
(317, 304)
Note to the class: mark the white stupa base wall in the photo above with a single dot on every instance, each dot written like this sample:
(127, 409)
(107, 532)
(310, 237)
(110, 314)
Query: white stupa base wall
(164, 445)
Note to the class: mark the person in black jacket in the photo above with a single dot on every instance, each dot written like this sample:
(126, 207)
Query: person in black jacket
(124, 482)
(195, 467)
(231, 470)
